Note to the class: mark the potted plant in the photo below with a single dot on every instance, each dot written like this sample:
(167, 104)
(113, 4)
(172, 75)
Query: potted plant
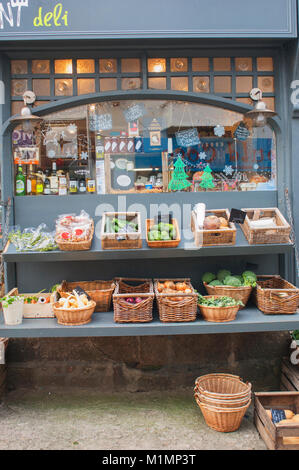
(12, 309)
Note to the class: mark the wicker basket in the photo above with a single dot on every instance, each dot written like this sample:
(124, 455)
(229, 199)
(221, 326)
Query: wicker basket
(273, 295)
(218, 314)
(163, 243)
(127, 241)
(222, 236)
(133, 313)
(222, 386)
(238, 293)
(184, 310)
(73, 317)
(222, 419)
(237, 403)
(256, 236)
(76, 246)
(99, 291)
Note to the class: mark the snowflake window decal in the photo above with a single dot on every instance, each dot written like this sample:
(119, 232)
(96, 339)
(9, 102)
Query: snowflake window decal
(219, 131)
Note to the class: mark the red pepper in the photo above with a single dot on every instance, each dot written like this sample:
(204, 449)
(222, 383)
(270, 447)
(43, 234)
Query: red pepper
(65, 235)
(78, 231)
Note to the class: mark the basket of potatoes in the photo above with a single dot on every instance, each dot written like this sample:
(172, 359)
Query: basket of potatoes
(176, 300)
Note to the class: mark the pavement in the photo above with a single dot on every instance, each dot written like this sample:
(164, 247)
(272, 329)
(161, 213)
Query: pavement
(51, 419)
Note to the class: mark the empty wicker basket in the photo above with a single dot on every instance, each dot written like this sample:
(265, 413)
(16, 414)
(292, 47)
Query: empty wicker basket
(222, 386)
(223, 419)
(274, 295)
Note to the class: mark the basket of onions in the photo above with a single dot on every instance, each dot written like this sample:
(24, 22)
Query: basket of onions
(133, 300)
(176, 299)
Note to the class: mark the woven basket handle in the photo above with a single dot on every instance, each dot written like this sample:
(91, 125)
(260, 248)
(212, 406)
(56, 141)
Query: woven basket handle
(283, 297)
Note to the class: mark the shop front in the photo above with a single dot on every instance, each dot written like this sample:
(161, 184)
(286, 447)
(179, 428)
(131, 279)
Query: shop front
(149, 110)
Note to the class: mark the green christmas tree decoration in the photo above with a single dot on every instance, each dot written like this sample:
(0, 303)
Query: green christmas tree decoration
(179, 177)
(207, 180)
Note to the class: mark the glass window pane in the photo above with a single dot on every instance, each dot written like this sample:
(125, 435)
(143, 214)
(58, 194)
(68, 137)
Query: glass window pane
(178, 64)
(85, 86)
(130, 65)
(41, 103)
(18, 87)
(108, 84)
(200, 64)
(108, 66)
(158, 83)
(41, 86)
(243, 64)
(40, 66)
(245, 101)
(16, 107)
(201, 84)
(222, 84)
(222, 64)
(63, 66)
(85, 66)
(266, 84)
(264, 64)
(244, 84)
(64, 87)
(19, 67)
(130, 83)
(270, 102)
(156, 65)
(179, 83)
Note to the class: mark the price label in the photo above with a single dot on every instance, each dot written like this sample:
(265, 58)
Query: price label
(237, 216)
(277, 415)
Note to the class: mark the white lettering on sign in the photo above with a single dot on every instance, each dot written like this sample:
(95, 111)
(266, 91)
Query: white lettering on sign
(9, 14)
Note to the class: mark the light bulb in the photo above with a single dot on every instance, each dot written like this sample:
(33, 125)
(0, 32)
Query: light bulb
(27, 126)
(260, 120)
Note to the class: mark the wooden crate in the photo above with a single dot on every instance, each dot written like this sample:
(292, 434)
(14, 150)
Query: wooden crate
(127, 241)
(39, 310)
(222, 236)
(277, 436)
(256, 236)
(289, 376)
(163, 243)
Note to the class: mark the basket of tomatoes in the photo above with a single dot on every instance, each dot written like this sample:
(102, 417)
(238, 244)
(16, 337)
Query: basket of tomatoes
(176, 300)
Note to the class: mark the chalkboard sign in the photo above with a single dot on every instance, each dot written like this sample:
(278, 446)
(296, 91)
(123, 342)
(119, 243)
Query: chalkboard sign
(242, 133)
(187, 138)
(237, 216)
(134, 112)
(277, 415)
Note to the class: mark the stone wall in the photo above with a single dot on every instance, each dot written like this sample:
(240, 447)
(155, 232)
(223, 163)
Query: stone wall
(140, 364)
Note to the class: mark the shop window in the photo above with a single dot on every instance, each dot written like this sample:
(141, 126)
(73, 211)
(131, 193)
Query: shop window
(200, 64)
(222, 84)
(108, 84)
(63, 66)
(41, 66)
(19, 67)
(18, 87)
(85, 86)
(130, 65)
(156, 65)
(41, 86)
(244, 84)
(85, 66)
(201, 84)
(179, 64)
(266, 84)
(130, 83)
(179, 83)
(264, 64)
(222, 64)
(243, 64)
(129, 146)
(157, 83)
(63, 87)
(108, 66)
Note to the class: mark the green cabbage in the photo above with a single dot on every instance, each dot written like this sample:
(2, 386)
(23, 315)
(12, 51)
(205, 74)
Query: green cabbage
(208, 277)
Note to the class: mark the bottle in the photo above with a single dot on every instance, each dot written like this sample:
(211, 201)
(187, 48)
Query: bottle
(20, 182)
(91, 185)
(31, 182)
(54, 179)
(62, 184)
(47, 184)
(39, 183)
(73, 185)
(82, 185)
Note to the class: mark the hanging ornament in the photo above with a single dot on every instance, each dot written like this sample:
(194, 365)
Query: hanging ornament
(228, 170)
(207, 180)
(241, 133)
(219, 131)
